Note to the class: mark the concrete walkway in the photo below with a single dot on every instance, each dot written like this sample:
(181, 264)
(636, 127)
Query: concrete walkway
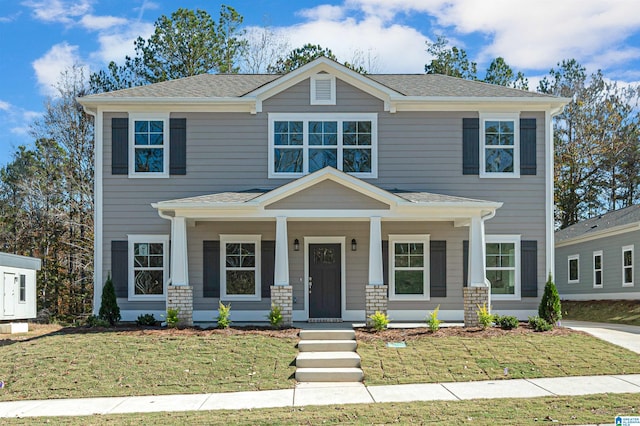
(325, 394)
(627, 336)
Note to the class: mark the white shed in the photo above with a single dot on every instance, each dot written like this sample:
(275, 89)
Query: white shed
(18, 286)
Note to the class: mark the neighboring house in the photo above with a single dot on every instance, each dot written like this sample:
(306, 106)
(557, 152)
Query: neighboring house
(596, 259)
(18, 287)
(327, 192)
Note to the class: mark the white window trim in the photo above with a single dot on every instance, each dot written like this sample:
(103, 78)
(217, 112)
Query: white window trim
(164, 117)
(628, 248)
(414, 238)
(569, 259)
(595, 254)
(305, 118)
(515, 117)
(515, 240)
(324, 77)
(133, 239)
(224, 240)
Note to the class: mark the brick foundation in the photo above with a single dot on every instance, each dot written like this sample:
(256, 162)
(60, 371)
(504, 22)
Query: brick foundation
(282, 296)
(181, 297)
(474, 297)
(375, 300)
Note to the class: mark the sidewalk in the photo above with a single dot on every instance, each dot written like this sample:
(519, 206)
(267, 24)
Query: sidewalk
(325, 394)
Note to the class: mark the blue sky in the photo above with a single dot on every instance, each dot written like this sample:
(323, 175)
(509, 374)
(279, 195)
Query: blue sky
(40, 38)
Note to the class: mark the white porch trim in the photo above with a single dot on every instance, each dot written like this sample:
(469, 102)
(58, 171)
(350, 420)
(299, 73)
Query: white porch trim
(179, 258)
(281, 274)
(375, 251)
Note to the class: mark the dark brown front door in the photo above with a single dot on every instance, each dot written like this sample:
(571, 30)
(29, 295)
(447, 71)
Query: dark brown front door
(324, 280)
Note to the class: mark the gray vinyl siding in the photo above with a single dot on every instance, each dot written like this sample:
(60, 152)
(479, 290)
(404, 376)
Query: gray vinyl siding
(611, 248)
(328, 195)
(419, 151)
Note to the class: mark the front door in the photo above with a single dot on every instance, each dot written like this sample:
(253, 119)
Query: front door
(9, 294)
(324, 280)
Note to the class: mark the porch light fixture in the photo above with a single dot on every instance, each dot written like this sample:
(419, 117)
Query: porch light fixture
(296, 245)
(354, 245)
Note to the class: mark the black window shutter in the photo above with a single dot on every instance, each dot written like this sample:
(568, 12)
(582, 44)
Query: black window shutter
(120, 267)
(268, 265)
(529, 268)
(178, 146)
(470, 146)
(385, 262)
(527, 146)
(438, 266)
(119, 146)
(465, 263)
(211, 269)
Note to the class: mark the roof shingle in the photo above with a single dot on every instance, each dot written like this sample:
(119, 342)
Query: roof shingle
(626, 216)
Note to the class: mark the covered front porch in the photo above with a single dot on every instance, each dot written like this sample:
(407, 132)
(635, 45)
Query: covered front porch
(327, 247)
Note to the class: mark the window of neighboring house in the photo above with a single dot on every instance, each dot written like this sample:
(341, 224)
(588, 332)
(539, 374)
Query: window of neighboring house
(323, 89)
(500, 145)
(23, 289)
(409, 273)
(149, 152)
(573, 263)
(149, 267)
(627, 266)
(304, 143)
(597, 269)
(240, 274)
(503, 266)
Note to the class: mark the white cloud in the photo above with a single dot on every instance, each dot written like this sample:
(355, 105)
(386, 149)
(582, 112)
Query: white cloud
(4, 106)
(49, 67)
(60, 11)
(116, 43)
(323, 12)
(96, 23)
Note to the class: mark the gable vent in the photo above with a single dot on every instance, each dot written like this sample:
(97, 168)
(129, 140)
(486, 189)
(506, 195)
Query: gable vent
(323, 90)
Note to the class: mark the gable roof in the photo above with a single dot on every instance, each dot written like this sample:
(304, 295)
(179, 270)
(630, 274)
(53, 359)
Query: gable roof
(622, 220)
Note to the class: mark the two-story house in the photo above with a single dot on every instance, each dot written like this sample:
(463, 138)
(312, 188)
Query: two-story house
(327, 192)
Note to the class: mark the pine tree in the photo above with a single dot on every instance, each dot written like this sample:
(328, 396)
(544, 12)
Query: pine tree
(550, 308)
(109, 310)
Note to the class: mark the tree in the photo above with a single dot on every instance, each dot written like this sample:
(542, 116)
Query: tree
(109, 309)
(449, 61)
(299, 57)
(550, 309)
(501, 74)
(263, 48)
(185, 44)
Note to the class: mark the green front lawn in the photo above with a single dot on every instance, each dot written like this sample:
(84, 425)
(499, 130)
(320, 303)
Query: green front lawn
(612, 311)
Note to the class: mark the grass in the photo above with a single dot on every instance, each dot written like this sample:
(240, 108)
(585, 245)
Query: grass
(611, 311)
(592, 409)
(455, 359)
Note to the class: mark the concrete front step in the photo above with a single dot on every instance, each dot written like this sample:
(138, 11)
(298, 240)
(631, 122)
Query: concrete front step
(327, 335)
(328, 360)
(327, 346)
(329, 375)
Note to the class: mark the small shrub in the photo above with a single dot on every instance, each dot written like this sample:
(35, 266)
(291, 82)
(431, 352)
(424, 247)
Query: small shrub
(109, 310)
(550, 308)
(379, 320)
(540, 324)
(485, 317)
(96, 321)
(275, 316)
(506, 322)
(432, 320)
(146, 319)
(172, 317)
(224, 313)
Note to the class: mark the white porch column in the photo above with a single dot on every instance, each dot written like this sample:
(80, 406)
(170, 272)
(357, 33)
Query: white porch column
(179, 260)
(476, 253)
(375, 252)
(281, 274)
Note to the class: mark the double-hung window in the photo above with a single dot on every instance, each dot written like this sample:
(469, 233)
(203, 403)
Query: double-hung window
(240, 274)
(573, 268)
(304, 143)
(597, 269)
(499, 145)
(409, 272)
(627, 266)
(503, 266)
(149, 266)
(149, 152)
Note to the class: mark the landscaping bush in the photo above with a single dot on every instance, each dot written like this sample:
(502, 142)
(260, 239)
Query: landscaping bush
(109, 310)
(224, 313)
(432, 320)
(379, 320)
(146, 319)
(275, 316)
(96, 321)
(172, 317)
(506, 322)
(540, 324)
(485, 317)
(550, 308)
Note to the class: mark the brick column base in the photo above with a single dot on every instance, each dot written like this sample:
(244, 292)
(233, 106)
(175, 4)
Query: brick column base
(375, 300)
(474, 297)
(282, 296)
(180, 297)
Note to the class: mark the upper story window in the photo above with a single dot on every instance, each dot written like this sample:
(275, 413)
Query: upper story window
(304, 143)
(149, 266)
(409, 260)
(627, 266)
(499, 145)
(149, 152)
(503, 266)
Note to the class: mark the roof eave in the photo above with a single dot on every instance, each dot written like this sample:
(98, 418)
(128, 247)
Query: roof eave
(468, 103)
(616, 230)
